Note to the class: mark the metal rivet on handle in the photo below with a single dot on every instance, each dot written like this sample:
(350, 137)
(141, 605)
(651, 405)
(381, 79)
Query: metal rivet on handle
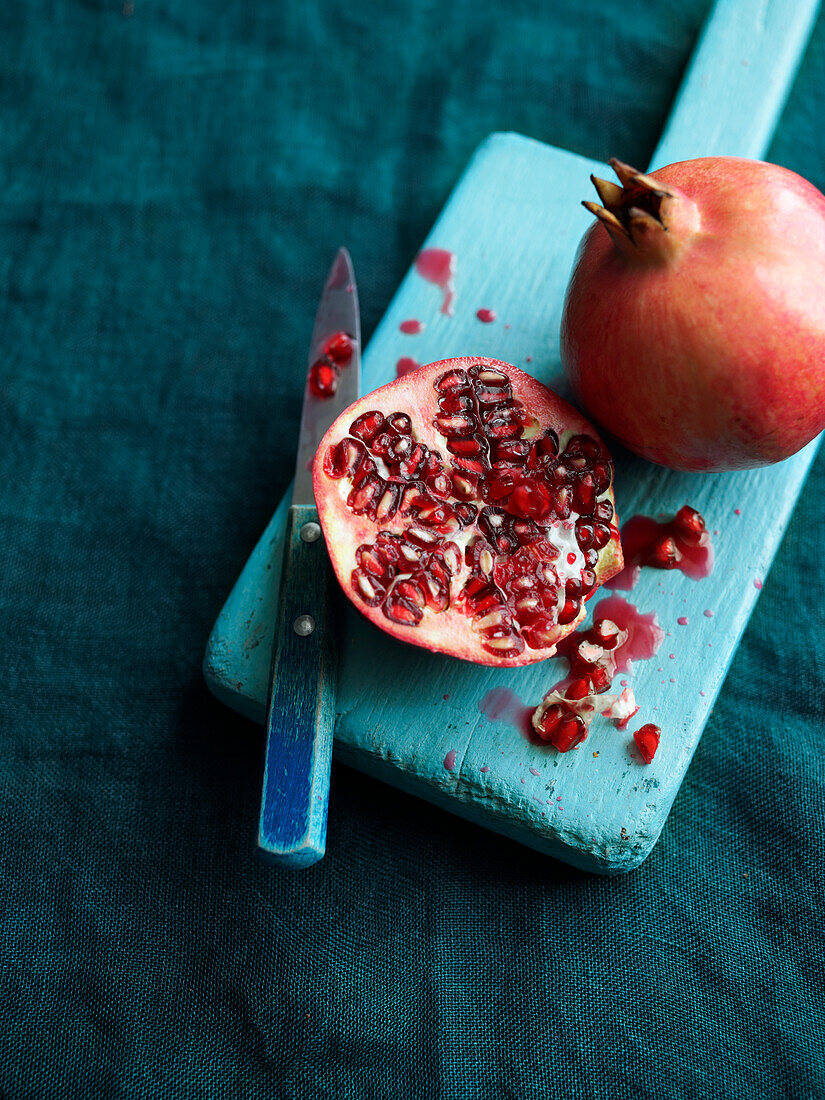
(310, 532)
(303, 625)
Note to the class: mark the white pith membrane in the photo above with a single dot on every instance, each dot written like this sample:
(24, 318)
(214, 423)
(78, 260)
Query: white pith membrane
(418, 547)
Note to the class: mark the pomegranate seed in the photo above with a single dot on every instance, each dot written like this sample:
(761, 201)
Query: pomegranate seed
(663, 554)
(647, 741)
(401, 422)
(451, 381)
(605, 633)
(531, 500)
(469, 446)
(504, 642)
(591, 557)
(455, 403)
(584, 496)
(603, 511)
(363, 499)
(500, 428)
(402, 611)
(573, 587)
(582, 446)
(584, 534)
(464, 486)
(411, 466)
(489, 397)
(589, 581)
(465, 513)
(323, 378)
(367, 426)
(489, 376)
(562, 727)
(549, 444)
(369, 588)
(342, 459)
(422, 537)
(601, 535)
(514, 451)
(560, 502)
(569, 612)
(366, 469)
(473, 466)
(374, 563)
(578, 689)
(339, 348)
(601, 679)
(455, 424)
(399, 447)
(689, 525)
(602, 477)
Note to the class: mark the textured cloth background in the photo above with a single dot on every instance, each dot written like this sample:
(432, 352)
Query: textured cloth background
(175, 177)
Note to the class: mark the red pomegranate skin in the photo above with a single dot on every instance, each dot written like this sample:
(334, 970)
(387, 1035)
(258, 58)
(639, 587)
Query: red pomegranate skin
(454, 630)
(707, 353)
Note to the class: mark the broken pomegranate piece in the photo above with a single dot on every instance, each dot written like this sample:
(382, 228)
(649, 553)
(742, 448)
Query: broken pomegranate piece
(647, 741)
(468, 509)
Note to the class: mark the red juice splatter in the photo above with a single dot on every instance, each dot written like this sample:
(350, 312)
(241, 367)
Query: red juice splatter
(502, 705)
(486, 315)
(405, 365)
(708, 615)
(437, 266)
(683, 620)
(484, 769)
(644, 635)
(449, 760)
(640, 536)
(737, 511)
(411, 327)
(757, 583)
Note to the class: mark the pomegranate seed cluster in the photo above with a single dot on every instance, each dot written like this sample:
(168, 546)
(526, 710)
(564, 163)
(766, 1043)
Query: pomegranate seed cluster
(564, 717)
(506, 525)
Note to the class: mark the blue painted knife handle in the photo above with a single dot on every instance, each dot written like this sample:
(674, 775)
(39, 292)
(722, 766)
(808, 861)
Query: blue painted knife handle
(301, 710)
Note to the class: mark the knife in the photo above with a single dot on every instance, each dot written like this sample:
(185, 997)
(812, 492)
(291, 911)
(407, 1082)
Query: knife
(301, 707)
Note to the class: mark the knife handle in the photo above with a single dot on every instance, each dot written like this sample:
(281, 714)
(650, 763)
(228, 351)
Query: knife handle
(301, 710)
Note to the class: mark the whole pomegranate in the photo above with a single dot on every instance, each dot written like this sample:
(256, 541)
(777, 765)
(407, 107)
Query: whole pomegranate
(694, 324)
(468, 509)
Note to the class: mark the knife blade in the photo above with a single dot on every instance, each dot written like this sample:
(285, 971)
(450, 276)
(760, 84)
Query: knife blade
(301, 706)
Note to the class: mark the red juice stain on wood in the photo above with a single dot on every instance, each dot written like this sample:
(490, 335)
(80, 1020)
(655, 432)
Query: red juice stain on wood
(502, 705)
(412, 327)
(486, 315)
(437, 265)
(681, 543)
(757, 583)
(644, 635)
(449, 760)
(405, 365)
(683, 620)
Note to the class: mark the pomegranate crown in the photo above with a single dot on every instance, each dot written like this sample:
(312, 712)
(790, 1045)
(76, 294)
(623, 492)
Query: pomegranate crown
(638, 213)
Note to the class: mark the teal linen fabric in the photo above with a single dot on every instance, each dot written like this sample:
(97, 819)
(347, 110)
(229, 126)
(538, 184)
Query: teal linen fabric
(175, 178)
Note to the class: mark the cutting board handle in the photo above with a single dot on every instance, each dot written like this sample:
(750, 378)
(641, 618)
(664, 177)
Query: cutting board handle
(738, 80)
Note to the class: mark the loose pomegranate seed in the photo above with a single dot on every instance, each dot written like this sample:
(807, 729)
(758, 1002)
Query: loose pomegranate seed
(562, 727)
(339, 348)
(647, 741)
(689, 524)
(323, 378)
(663, 553)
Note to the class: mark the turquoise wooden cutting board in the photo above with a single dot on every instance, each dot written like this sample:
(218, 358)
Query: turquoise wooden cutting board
(429, 724)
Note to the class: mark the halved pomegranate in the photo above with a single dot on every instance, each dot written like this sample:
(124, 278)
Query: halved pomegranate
(468, 509)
